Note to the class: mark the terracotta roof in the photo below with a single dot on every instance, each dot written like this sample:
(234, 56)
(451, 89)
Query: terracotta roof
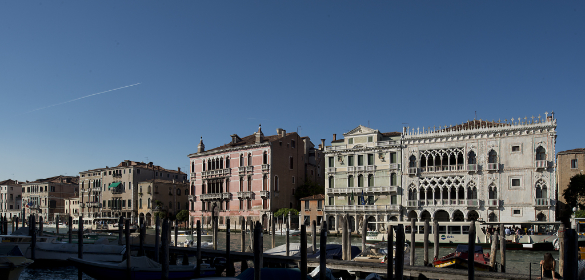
(249, 140)
(474, 124)
(58, 179)
(314, 197)
(388, 134)
(573, 151)
(147, 166)
(161, 181)
(10, 182)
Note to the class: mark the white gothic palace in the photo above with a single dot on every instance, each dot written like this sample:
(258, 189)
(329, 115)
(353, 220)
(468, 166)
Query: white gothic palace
(501, 171)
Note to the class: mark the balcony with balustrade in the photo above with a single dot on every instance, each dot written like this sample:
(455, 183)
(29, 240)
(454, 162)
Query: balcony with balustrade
(413, 203)
(193, 175)
(226, 196)
(265, 194)
(351, 169)
(366, 190)
(394, 166)
(242, 169)
(370, 168)
(542, 202)
(472, 167)
(443, 168)
(210, 196)
(541, 164)
(191, 197)
(493, 166)
(244, 195)
(493, 203)
(336, 148)
(332, 169)
(412, 171)
(265, 167)
(332, 209)
(216, 173)
(473, 203)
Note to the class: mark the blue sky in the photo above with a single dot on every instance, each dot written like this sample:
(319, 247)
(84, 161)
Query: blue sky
(214, 68)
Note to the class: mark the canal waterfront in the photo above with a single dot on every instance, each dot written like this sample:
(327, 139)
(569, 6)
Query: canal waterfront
(517, 261)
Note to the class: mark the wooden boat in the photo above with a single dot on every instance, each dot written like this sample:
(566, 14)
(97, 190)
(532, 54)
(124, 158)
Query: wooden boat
(459, 259)
(143, 268)
(378, 253)
(12, 262)
(186, 239)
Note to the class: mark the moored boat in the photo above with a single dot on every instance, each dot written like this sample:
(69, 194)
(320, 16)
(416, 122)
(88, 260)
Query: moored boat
(459, 259)
(12, 262)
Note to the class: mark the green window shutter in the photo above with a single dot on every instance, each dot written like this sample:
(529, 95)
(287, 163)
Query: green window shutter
(370, 159)
(349, 160)
(360, 160)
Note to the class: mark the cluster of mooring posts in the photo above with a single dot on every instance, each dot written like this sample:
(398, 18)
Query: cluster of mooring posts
(397, 269)
(164, 254)
(4, 224)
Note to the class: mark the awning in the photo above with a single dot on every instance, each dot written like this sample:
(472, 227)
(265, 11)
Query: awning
(113, 185)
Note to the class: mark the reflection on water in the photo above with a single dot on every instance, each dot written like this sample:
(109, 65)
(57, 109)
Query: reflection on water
(517, 261)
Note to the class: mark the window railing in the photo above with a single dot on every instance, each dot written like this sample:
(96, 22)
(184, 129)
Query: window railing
(265, 167)
(210, 196)
(493, 202)
(542, 202)
(370, 168)
(332, 169)
(351, 168)
(541, 164)
(360, 168)
(493, 166)
(472, 167)
(249, 168)
(412, 170)
(366, 190)
(394, 166)
(264, 194)
(361, 208)
(473, 202)
(117, 175)
(191, 197)
(117, 190)
(242, 169)
(413, 203)
(193, 174)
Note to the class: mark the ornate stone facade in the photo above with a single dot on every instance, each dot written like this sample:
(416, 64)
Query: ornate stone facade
(488, 170)
(363, 178)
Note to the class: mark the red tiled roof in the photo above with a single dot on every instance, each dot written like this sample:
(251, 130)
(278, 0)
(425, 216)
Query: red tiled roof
(59, 179)
(314, 197)
(573, 151)
(9, 182)
(249, 140)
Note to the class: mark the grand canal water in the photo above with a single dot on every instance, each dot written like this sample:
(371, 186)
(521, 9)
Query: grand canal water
(517, 261)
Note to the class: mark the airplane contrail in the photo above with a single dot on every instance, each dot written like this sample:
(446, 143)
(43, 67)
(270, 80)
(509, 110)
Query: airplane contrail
(80, 98)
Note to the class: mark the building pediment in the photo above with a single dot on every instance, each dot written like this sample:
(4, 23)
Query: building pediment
(360, 130)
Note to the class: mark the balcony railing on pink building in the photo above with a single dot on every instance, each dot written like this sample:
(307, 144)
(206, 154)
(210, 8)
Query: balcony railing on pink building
(265, 167)
(542, 202)
(366, 190)
(541, 164)
(361, 208)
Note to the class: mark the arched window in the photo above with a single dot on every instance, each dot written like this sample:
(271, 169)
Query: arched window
(242, 184)
(541, 190)
(203, 165)
(276, 183)
(149, 203)
(412, 161)
(264, 158)
(350, 181)
(250, 159)
(493, 192)
(264, 183)
(249, 183)
(241, 160)
(227, 162)
(170, 205)
(360, 181)
(186, 191)
(540, 153)
(221, 163)
(370, 180)
(421, 193)
(393, 179)
(492, 157)
(178, 191)
(471, 159)
(331, 182)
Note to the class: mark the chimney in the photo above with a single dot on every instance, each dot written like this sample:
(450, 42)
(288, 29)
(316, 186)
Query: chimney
(201, 146)
(283, 133)
(334, 137)
(278, 131)
(322, 144)
(179, 169)
(259, 135)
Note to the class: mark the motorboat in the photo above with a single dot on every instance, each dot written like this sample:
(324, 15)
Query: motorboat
(141, 268)
(57, 251)
(378, 253)
(459, 259)
(12, 262)
(186, 238)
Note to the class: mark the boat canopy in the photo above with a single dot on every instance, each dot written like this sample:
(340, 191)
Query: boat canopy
(465, 248)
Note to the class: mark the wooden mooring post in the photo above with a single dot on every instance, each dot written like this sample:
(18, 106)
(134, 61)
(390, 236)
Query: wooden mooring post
(57, 224)
(33, 237)
(142, 236)
(157, 240)
(198, 268)
(436, 240)
(16, 220)
(343, 239)
(561, 238)
(390, 257)
(502, 249)
(40, 225)
(412, 240)
(571, 259)
(287, 240)
(80, 245)
(70, 229)
(165, 249)
(303, 250)
(323, 251)
(426, 244)
(120, 229)
(314, 236)
(273, 231)
(243, 241)
(229, 270)
(176, 233)
(258, 251)
(471, 252)
(399, 259)
(364, 232)
(495, 237)
(128, 250)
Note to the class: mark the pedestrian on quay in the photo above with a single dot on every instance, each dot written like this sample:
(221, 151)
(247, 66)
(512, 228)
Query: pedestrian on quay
(507, 231)
(548, 266)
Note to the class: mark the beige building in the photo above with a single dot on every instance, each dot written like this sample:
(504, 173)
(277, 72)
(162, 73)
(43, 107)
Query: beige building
(569, 164)
(10, 198)
(113, 191)
(46, 197)
(312, 209)
(71, 208)
(169, 196)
